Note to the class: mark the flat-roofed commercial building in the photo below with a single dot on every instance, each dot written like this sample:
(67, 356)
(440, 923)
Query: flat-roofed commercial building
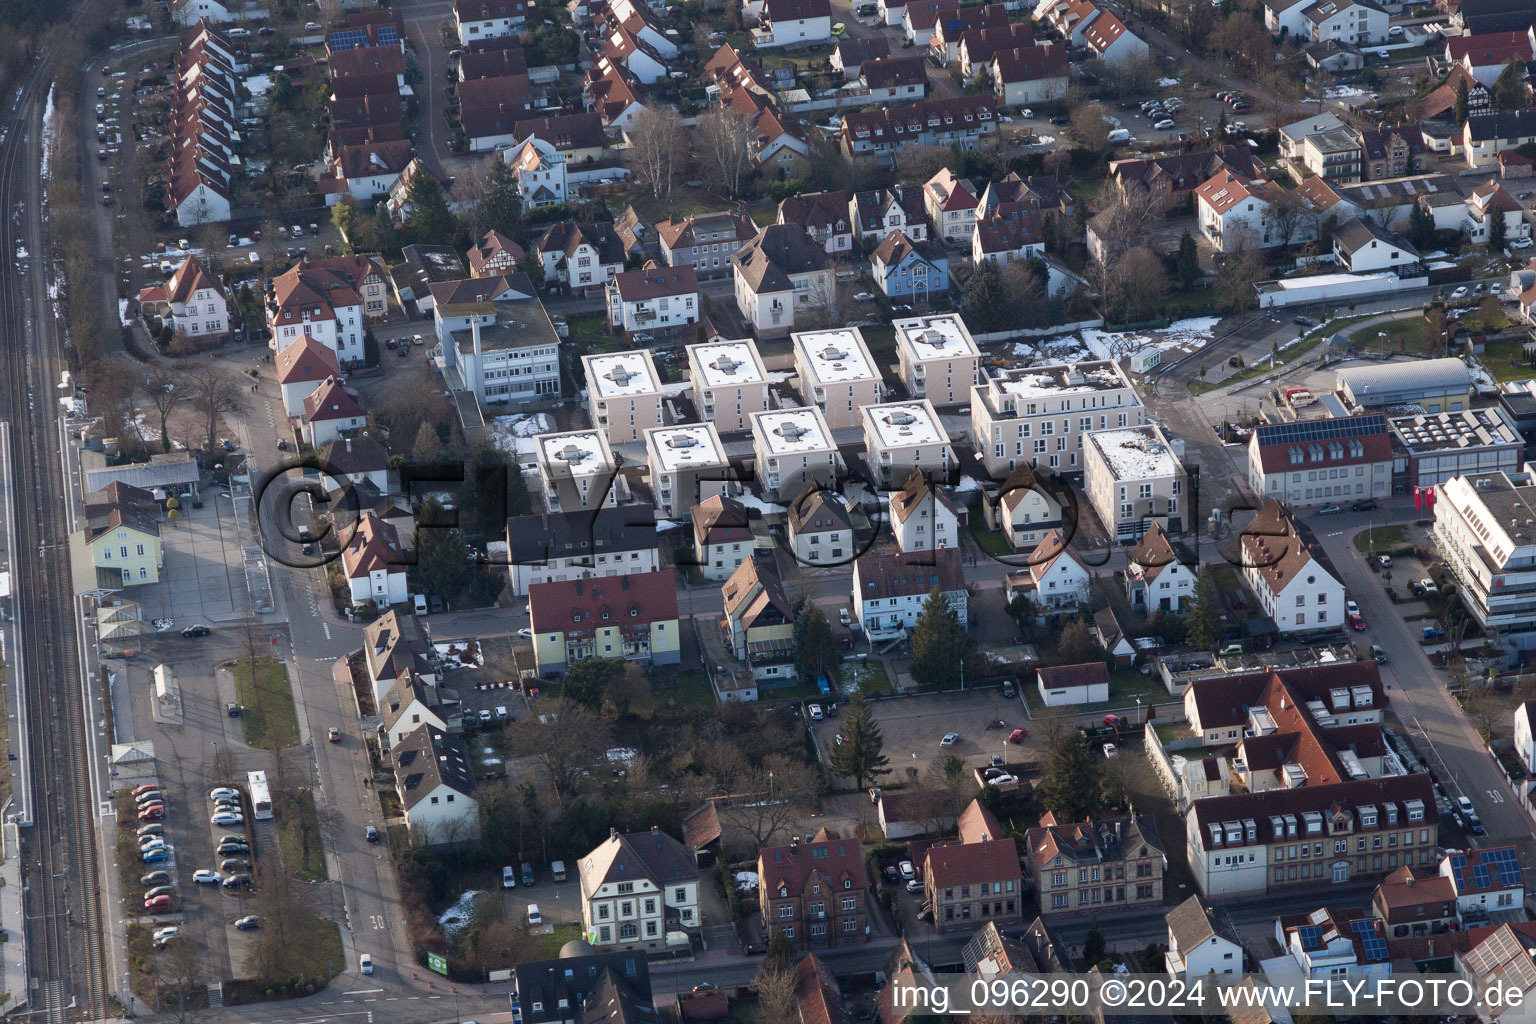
(837, 374)
(688, 465)
(794, 448)
(1485, 528)
(1040, 415)
(902, 436)
(938, 359)
(1439, 385)
(1436, 447)
(1133, 479)
(623, 394)
(729, 382)
(576, 470)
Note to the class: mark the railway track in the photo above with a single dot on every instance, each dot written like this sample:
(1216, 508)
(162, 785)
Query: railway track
(64, 918)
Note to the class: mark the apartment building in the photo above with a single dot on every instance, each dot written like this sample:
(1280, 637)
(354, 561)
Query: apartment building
(688, 465)
(576, 470)
(937, 357)
(1287, 570)
(814, 893)
(978, 878)
(515, 359)
(636, 888)
(922, 516)
(1095, 866)
(820, 529)
(794, 449)
(837, 374)
(1320, 461)
(624, 394)
(1041, 414)
(581, 544)
(722, 536)
(631, 617)
(902, 437)
(1485, 528)
(890, 589)
(729, 382)
(1351, 692)
(1133, 479)
(706, 242)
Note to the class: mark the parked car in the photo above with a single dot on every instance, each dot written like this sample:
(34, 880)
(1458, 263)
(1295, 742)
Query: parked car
(1329, 510)
(1384, 561)
(227, 818)
(1459, 293)
(204, 876)
(233, 882)
(153, 856)
(152, 813)
(223, 793)
(234, 865)
(1378, 654)
(250, 922)
(162, 902)
(155, 878)
(815, 712)
(195, 631)
(950, 739)
(914, 886)
(1017, 736)
(864, 297)
(1110, 750)
(1164, 125)
(1356, 622)
(333, 734)
(148, 787)
(152, 829)
(1364, 505)
(907, 871)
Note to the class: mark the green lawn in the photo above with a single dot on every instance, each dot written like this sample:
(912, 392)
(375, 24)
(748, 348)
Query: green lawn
(1505, 360)
(1128, 684)
(1167, 732)
(1262, 366)
(267, 704)
(881, 340)
(1380, 538)
(1409, 332)
(868, 676)
(692, 689)
(316, 948)
(298, 835)
(683, 202)
(549, 945)
(589, 334)
(993, 542)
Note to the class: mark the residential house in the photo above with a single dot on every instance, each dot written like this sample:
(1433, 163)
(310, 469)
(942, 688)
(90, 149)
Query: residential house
(323, 303)
(371, 169)
(850, 53)
(482, 19)
(1016, 414)
(583, 257)
(411, 701)
(909, 814)
(203, 131)
(1323, 461)
(1168, 183)
(334, 409)
(631, 617)
(904, 269)
(614, 94)
(894, 80)
(922, 516)
(937, 358)
(1489, 200)
(637, 889)
(1160, 576)
(1072, 19)
(1390, 152)
(393, 645)
(1334, 57)
(1500, 955)
(722, 536)
(586, 987)
(1485, 136)
(780, 274)
(977, 880)
(507, 351)
(1112, 42)
(905, 437)
(1195, 948)
(1026, 75)
(1218, 708)
(1013, 233)
(951, 205)
(706, 242)
(491, 108)
(637, 235)
(793, 449)
(1288, 18)
(759, 621)
(355, 461)
(814, 892)
(578, 137)
(1484, 880)
(1441, 101)
(1359, 22)
(1097, 866)
(653, 298)
(374, 564)
(581, 544)
(624, 396)
(1363, 246)
(1333, 944)
(793, 23)
(837, 374)
(1294, 134)
(436, 785)
(1289, 573)
(124, 540)
(1055, 579)
(577, 470)
(191, 301)
(820, 529)
(979, 45)
(688, 465)
(1485, 56)
(421, 267)
(824, 215)
(540, 170)
(1410, 904)
(952, 22)
(729, 382)
(817, 994)
(1333, 156)
(899, 208)
(891, 589)
(1481, 16)
(1072, 685)
(1237, 213)
(961, 122)
(1024, 509)
(484, 59)
(495, 254)
(1133, 478)
(1525, 734)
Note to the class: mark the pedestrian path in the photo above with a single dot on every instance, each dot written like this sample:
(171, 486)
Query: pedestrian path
(13, 951)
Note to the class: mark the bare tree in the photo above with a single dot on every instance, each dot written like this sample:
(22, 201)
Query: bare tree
(572, 739)
(214, 393)
(224, 766)
(179, 974)
(277, 905)
(1139, 279)
(766, 798)
(657, 141)
(776, 995)
(1121, 224)
(1091, 125)
(1288, 212)
(723, 142)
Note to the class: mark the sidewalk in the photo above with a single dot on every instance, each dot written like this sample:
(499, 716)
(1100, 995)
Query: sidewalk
(13, 952)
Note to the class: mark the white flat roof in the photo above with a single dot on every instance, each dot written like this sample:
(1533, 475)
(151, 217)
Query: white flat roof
(1062, 379)
(905, 424)
(1136, 453)
(941, 336)
(684, 446)
(792, 431)
(724, 364)
(835, 356)
(577, 452)
(1327, 280)
(622, 374)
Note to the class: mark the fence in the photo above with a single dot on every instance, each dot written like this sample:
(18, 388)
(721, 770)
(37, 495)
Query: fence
(1160, 756)
(1036, 332)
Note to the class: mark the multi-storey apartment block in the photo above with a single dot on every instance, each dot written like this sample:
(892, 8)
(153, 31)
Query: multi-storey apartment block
(814, 893)
(623, 394)
(1133, 479)
(636, 888)
(1092, 866)
(1040, 415)
(939, 360)
(1485, 527)
(729, 382)
(576, 470)
(837, 374)
(794, 448)
(688, 466)
(902, 436)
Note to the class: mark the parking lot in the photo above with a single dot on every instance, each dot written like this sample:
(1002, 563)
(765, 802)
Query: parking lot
(913, 726)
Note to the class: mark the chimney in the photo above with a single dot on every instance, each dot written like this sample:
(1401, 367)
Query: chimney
(613, 833)
(655, 830)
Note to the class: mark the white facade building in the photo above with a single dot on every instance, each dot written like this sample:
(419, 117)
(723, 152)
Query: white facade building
(900, 437)
(890, 590)
(729, 382)
(1485, 528)
(793, 448)
(837, 374)
(922, 516)
(688, 466)
(938, 358)
(576, 470)
(623, 394)
(1133, 478)
(1040, 415)
(1294, 587)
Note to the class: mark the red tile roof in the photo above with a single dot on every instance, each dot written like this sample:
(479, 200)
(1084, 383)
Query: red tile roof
(958, 864)
(333, 400)
(580, 607)
(304, 360)
(792, 866)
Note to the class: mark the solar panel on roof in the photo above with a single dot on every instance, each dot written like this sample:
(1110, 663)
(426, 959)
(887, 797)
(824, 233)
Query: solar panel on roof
(1310, 935)
(1480, 876)
(1320, 430)
(1510, 873)
(388, 35)
(1459, 870)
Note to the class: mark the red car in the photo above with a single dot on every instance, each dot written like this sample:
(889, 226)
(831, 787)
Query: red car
(148, 787)
(1357, 622)
(1113, 721)
(162, 902)
(1017, 736)
(152, 813)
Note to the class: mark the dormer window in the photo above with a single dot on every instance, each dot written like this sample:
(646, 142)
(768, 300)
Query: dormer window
(783, 890)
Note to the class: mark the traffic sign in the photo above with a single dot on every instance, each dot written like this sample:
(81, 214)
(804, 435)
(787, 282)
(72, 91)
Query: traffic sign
(436, 962)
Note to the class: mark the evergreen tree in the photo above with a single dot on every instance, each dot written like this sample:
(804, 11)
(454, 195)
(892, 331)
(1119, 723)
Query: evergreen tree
(1508, 92)
(502, 206)
(1189, 260)
(442, 564)
(938, 641)
(781, 955)
(428, 447)
(861, 755)
(1070, 785)
(1325, 233)
(1461, 103)
(1204, 618)
(430, 222)
(1093, 943)
(1421, 227)
(586, 681)
(533, 267)
(1496, 229)
(985, 302)
(814, 648)
(1077, 644)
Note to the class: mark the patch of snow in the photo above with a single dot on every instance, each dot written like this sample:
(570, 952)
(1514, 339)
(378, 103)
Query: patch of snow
(463, 654)
(1189, 334)
(457, 917)
(751, 500)
(967, 483)
(746, 881)
(1340, 92)
(677, 388)
(122, 313)
(663, 525)
(64, 381)
(72, 406)
(514, 434)
(259, 84)
(1045, 140)
(1167, 83)
(490, 760)
(48, 133)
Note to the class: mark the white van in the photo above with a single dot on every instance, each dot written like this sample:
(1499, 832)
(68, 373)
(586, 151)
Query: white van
(508, 878)
(419, 601)
(1120, 135)
(534, 917)
(557, 868)
(365, 963)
